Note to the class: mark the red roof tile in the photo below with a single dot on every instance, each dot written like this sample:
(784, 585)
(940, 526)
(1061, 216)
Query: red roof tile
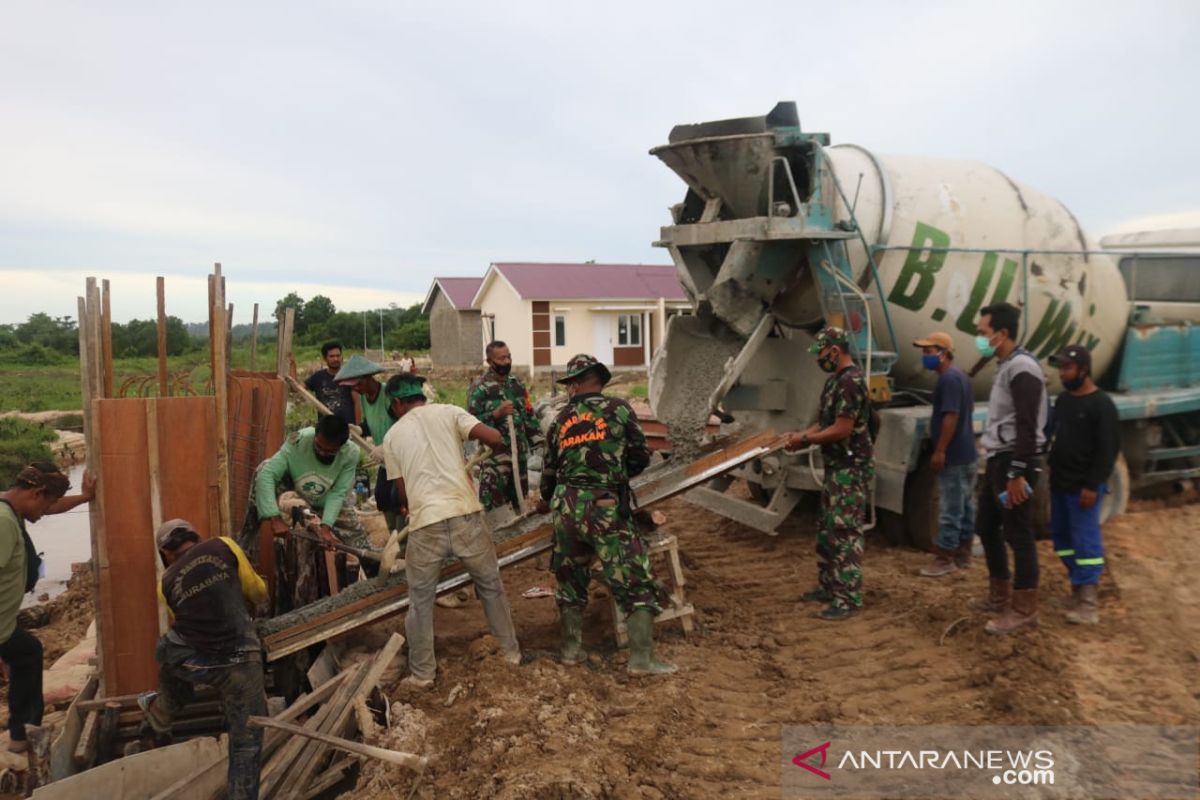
(459, 291)
(592, 281)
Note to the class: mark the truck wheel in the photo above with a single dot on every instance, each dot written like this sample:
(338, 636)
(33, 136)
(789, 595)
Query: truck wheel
(1117, 499)
(921, 505)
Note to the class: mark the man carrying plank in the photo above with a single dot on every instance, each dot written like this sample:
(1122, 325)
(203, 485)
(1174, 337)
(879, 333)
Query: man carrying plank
(423, 453)
(212, 641)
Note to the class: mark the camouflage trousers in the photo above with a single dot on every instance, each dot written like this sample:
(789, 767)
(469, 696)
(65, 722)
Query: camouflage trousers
(840, 537)
(496, 484)
(588, 524)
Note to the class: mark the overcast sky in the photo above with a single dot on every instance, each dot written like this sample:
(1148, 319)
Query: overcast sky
(366, 147)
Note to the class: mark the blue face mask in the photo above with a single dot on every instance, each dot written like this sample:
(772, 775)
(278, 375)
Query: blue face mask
(931, 361)
(985, 347)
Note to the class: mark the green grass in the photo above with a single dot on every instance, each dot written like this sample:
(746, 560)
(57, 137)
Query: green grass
(22, 443)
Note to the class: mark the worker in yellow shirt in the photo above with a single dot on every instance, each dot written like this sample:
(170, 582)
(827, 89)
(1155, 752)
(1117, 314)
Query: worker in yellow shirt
(209, 587)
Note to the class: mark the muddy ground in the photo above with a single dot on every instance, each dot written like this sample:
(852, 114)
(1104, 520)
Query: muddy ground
(759, 660)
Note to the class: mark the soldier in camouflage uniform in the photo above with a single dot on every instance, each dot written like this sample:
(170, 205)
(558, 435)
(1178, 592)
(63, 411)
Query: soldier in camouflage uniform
(493, 396)
(594, 447)
(843, 432)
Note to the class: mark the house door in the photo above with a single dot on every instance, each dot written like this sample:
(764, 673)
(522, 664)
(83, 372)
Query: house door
(602, 338)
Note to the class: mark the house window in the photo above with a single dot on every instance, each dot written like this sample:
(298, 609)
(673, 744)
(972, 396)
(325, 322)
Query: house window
(629, 330)
(560, 331)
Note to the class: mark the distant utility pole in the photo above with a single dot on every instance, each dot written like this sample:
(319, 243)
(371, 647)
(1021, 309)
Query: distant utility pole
(364, 331)
(381, 350)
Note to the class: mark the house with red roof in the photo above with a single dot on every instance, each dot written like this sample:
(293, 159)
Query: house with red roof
(547, 313)
(455, 326)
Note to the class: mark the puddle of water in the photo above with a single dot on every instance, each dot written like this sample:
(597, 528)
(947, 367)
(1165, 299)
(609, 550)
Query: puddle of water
(62, 539)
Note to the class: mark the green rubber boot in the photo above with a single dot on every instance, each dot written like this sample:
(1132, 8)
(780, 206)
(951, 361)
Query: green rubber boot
(571, 620)
(641, 645)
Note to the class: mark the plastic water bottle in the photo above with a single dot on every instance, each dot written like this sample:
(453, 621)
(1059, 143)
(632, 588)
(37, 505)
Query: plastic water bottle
(1004, 494)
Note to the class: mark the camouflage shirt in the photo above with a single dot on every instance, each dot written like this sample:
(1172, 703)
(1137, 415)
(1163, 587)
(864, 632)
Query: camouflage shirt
(596, 442)
(845, 395)
(486, 395)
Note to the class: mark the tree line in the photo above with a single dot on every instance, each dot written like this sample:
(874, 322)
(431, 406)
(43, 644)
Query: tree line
(46, 339)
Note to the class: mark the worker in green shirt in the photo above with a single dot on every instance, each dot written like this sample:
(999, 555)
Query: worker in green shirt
(360, 373)
(318, 464)
(38, 490)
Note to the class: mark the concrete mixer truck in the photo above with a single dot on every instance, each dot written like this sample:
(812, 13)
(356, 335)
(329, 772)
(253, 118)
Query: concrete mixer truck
(779, 233)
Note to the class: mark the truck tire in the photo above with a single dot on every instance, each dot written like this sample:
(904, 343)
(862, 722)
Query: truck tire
(922, 502)
(1117, 499)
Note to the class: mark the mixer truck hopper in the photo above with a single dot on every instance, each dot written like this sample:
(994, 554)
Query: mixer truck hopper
(780, 233)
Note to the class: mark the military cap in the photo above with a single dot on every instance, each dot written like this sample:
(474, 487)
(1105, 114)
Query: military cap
(583, 363)
(829, 336)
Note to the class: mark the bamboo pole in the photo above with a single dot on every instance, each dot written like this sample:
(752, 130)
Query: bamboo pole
(91, 435)
(312, 400)
(164, 388)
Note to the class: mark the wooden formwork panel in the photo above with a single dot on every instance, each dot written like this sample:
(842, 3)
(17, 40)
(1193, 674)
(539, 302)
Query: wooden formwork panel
(186, 430)
(257, 404)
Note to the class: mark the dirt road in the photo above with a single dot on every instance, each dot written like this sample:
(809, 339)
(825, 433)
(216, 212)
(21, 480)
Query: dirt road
(760, 660)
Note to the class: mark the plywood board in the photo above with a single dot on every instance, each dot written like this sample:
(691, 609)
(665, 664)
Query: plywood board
(254, 434)
(128, 613)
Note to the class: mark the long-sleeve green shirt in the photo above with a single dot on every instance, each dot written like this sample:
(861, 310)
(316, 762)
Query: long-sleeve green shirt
(323, 486)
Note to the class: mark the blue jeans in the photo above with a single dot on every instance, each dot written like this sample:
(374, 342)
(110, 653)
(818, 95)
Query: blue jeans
(956, 515)
(1076, 533)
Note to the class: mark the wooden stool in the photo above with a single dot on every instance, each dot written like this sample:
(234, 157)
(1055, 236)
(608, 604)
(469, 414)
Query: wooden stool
(678, 609)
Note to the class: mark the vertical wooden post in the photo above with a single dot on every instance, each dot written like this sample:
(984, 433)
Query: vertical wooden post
(228, 330)
(254, 340)
(95, 338)
(91, 436)
(106, 338)
(219, 366)
(164, 388)
(156, 510)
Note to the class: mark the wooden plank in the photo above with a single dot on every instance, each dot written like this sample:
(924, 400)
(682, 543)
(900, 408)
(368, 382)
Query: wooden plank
(254, 340)
(409, 760)
(220, 377)
(91, 438)
(343, 714)
(95, 338)
(62, 750)
(280, 770)
(106, 338)
(85, 751)
(164, 386)
(156, 511)
(106, 739)
(330, 778)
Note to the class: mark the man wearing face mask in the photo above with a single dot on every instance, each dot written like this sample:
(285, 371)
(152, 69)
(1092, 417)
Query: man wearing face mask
(1086, 443)
(595, 446)
(1014, 441)
(495, 396)
(843, 432)
(318, 464)
(953, 459)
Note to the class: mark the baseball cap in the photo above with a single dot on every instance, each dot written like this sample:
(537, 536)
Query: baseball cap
(936, 339)
(1073, 354)
(172, 529)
